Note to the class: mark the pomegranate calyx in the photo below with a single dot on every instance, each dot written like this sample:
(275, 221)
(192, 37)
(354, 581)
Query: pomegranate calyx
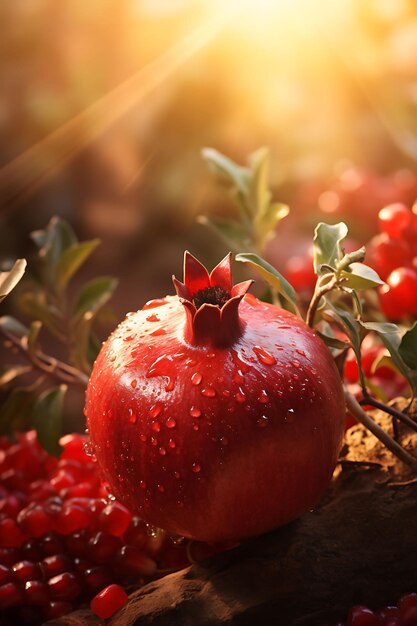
(211, 302)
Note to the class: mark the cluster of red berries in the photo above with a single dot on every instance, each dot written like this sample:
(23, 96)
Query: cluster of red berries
(63, 542)
(405, 614)
(393, 254)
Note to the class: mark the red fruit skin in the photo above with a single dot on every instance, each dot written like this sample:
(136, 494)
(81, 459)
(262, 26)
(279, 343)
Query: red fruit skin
(212, 442)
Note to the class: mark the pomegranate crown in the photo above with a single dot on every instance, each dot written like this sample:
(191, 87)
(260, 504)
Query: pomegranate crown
(211, 302)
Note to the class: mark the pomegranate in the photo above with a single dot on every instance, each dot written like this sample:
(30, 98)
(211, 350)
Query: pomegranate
(212, 414)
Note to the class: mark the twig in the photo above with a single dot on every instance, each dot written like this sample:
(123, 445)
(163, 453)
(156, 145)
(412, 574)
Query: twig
(320, 291)
(355, 408)
(402, 417)
(404, 483)
(50, 365)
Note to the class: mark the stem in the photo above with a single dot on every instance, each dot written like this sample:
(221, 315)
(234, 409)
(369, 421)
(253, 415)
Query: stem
(355, 408)
(53, 367)
(402, 417)
(320, 291)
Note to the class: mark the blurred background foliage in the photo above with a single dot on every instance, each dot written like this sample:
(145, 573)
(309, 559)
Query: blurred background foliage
(105, 106)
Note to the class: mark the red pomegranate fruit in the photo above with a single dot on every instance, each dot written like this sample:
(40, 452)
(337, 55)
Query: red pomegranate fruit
(212, 414)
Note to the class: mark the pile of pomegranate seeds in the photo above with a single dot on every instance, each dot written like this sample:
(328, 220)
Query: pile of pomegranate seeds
(63, 541)
(405, 614)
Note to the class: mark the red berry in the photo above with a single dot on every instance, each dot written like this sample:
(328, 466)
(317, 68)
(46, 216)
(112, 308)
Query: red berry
(96, 578)
(10, 595)
(103, 547)
(5, 574)
(11, 536)
(55, 564)
(362, 616)
(50, 544)
(64, 586)
(232, 373)
(57, 608)
(385, 254)
(137, 533)
(72, 518)
(26, 570)
(8, 556)
(299, 271)
(31, 550)
(115, 518)
(403, 285)
(73, 445)
(109, 601)
(35, 521)
(394, 220)
(78, 543)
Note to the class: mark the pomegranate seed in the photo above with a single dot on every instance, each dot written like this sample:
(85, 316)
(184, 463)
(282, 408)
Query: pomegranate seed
(389, 612)
(14, 480)
(56, 609)
(394, 220)
(11, 505)
(10, 595)
(78, 543)
(36, 592)
(408, 609)
(72, 518)
(35, 521)
(96, 578)
(115, 519)
(8, 556)
(74, 447)
(103, 547)
(55, 564)
(40, 490)
(137, 533)
(62, 480)
(50, 544)
(362, 616)
(26, 570)
(109, 601)
(5, 574)
(31, 550)
(81, 565)
(11, 536)
(133, 562)
(65, 586)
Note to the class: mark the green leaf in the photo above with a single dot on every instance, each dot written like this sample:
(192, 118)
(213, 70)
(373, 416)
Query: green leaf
(34, 305)
(72, 259)
(408, 347)
(95, 294)
(360, 276)
(47, 418)
(9, 280)
(231, 231)
(328, 249)
(16, 412)
(13, 326)
(79, 352)
(271, 275)
(333, 342)
(259, 196)
(227, 169)
(53, 241)
(267, 222)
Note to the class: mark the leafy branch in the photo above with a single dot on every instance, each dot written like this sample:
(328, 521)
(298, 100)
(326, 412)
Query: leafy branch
(49, 301)
(336, 308)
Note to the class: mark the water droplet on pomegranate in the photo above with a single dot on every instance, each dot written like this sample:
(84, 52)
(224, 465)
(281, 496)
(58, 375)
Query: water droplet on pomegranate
(196, 378)
(238, 377)
(152, 304)
(170, 384)
(177, 475)
(170, 423)
(263, 397)
(152, 318)
(226, 393)
(132, 416)
(157, 332)
(156, 426)
(301, 352)
(142, 484)
(154, 441)
(290, 415)
(195, 411)
(295, 364)
(172, 444)
(240, 396)
(88, 448)
(161, 488)
(264, 356)
(196, 427)
(162, 451)
(143, 437)
(134, 383)
(210, 355)
(155, 410)
(209, 392)
(196, 468)
(159, 367)
(128, 338)
(177, 540)
(262, 421)
(224, 441)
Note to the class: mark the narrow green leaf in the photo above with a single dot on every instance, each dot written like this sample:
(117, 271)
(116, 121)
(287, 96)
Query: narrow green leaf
(259, 196)
(328, 247)
(226, 168)
(95, 294)
(12, 325)
(360, 276)
(79, 352)
(16, 412)
(333, 342)
(408, 347)
(271, 275)
(53, 241)
(34, 305)
(231, 231)
(266, 224)
(72, 259)
(47, 418)
(9, 280)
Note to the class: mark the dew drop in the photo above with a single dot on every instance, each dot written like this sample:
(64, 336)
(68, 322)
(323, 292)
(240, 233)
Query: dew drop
(142, 484)
(172, 444)
(170, 423)
(177, 475)
(161, 488)
(177, 540)
(301, 352)
(152, 318)
(264, 356)
(290, 415)
(133, 418)
(262, 421)
(143, 438)
(128, 338)
(196, 427)
(134, 383)
(154, 441)
(158, 367)
(88, 448)
(190, 362)
(263, 397)
(224, 441)
(155, 410)
(211, 355)
(196, 468)
(209, 392)
(157, 332)
(170, 384)
(238, 377)
(162, 451)
(196, 378)
(156, 426)
(152, 304)
(195, 411)
(226, 393)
